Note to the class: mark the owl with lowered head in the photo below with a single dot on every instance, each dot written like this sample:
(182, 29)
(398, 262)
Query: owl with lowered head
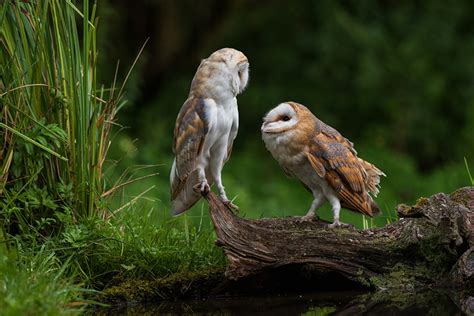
(206, 127)
(323, 160)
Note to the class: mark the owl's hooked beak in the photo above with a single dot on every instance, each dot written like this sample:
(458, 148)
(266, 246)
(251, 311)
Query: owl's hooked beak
(264, 128)
(269, 128)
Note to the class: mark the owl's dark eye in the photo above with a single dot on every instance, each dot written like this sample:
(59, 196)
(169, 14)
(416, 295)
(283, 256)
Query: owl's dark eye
(286, 118)
(241, 73)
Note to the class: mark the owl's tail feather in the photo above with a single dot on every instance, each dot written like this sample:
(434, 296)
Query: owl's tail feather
(372, 183)
(375, 208)
(187, 196)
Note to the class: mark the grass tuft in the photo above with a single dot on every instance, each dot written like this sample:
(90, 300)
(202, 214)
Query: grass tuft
(468, 171)
(56, 123)
(34, 283)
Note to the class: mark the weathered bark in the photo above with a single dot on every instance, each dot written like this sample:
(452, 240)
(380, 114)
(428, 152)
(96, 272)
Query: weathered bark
(432, 244)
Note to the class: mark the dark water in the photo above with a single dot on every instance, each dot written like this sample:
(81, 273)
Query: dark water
(328, 303)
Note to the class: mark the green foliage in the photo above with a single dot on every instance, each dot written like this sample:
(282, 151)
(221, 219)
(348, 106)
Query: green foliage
(137, 243)
(56, 210)
(396, 75)
(35, 283)
(55, 123)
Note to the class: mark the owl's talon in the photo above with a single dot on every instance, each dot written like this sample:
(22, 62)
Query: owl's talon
(202, 188)
(307, 218)
(231, 205)
(337, 223)
(205, 188)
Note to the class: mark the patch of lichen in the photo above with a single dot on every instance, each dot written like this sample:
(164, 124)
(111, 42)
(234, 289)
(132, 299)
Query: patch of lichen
(404, 210)
(400, 277)
(431, 259)
(363, 279)
(422, 202)
(464, 196)
(176, 286)
(434, 262)
(438, 254)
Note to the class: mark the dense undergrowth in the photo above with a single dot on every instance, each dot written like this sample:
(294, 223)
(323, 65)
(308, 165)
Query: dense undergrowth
(58, 274)
(61, 237)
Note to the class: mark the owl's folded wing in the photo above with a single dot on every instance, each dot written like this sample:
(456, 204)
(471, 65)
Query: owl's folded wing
(335, 160)
(189, 134)
(337, 156)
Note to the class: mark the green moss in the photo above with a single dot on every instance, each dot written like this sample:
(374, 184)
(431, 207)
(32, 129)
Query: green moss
(463, 196)
(405, 210)
(422, 202)
(401, 277)
(320, 311)
(404, 277)
(440, 258)
(434, 261)
(175, 286)
(362, 279)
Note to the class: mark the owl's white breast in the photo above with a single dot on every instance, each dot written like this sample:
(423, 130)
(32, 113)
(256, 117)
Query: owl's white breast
(282, 148)
(221, 118)
(292, 157)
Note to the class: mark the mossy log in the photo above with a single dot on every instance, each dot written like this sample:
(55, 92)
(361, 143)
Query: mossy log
(431, 245)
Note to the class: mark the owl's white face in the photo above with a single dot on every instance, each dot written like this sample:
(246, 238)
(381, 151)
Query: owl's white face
(280, 120)
(243, 75)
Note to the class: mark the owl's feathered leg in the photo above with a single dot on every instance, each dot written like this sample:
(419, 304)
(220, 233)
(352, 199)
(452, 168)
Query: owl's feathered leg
(203, 186)
(216, 175)
(317, 202)
(336, 208)
(223, 195)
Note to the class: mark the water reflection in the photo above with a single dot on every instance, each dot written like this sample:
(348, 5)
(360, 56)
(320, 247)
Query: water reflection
(336, 303)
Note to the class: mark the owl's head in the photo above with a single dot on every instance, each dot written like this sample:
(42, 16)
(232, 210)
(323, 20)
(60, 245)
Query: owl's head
(285, 117)
(224, 71)
(236, 63)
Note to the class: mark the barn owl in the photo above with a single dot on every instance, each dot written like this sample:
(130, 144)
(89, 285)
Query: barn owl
(323, 160)
(206, 128)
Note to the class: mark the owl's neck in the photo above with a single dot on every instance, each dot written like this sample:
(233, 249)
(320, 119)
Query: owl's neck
(217, 91)
(214, 81)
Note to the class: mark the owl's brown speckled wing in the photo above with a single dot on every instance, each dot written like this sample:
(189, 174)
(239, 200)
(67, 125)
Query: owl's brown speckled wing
(189, 135)
(334, 158)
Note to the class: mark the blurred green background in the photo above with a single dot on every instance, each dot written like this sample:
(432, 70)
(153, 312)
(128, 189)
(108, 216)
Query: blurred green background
(395, 77)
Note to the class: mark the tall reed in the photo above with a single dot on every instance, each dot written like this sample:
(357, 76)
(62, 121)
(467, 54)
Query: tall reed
(55, 123)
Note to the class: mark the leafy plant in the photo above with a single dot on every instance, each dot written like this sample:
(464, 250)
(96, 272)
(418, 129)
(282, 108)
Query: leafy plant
(56, 123)
(56, 131)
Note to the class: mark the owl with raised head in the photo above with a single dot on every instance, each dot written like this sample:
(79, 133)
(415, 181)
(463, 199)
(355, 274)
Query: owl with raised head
(206, 127)
(323, 160)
